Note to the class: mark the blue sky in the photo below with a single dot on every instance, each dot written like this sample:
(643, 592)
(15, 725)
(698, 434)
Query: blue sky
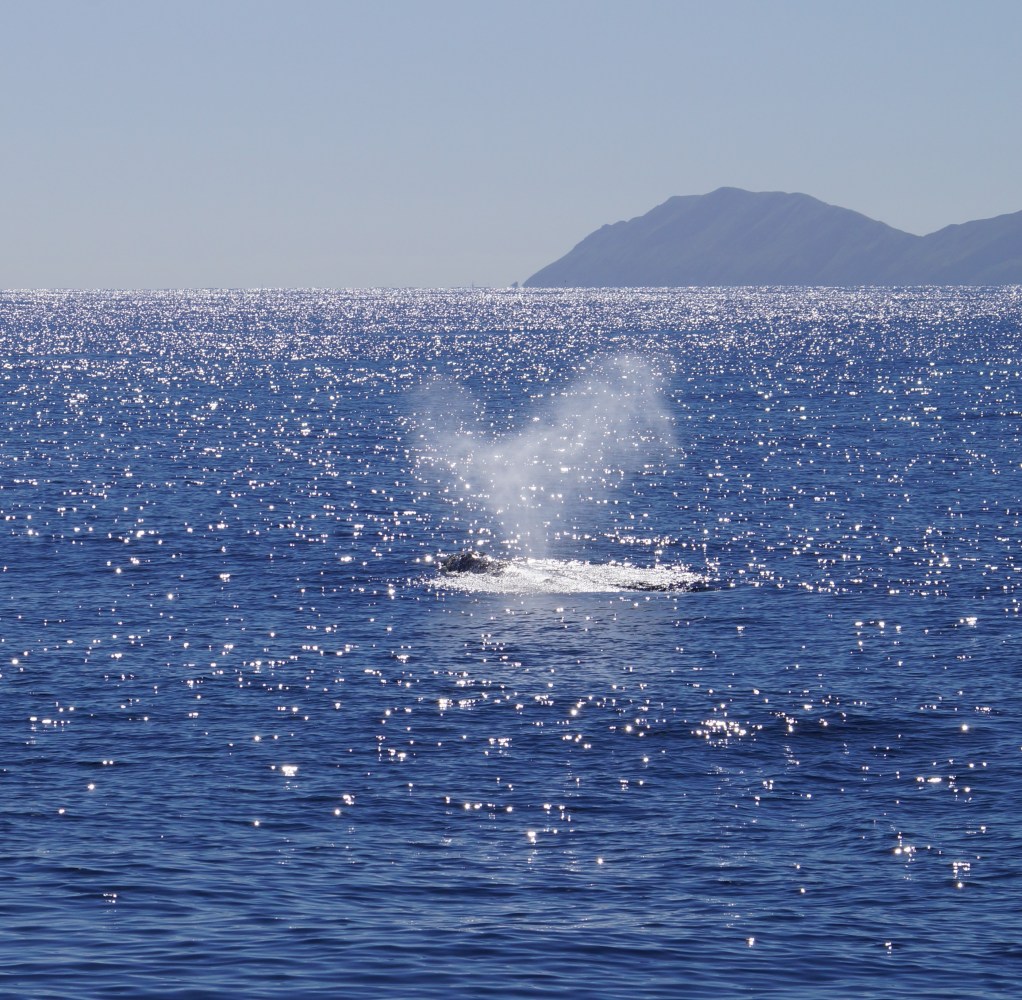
(248, 143)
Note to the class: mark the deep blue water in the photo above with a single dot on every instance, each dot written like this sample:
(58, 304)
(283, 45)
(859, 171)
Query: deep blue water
(253, 744)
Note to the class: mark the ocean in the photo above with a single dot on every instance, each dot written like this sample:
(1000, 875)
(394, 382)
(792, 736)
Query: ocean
(727, 699)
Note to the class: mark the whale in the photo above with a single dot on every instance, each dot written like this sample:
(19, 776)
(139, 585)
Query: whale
(471, 561)
(557, 575)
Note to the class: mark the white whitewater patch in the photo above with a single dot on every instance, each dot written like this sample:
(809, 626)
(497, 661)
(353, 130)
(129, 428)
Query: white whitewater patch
(572, 576)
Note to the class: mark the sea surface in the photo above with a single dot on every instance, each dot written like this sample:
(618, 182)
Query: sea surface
(737, 711)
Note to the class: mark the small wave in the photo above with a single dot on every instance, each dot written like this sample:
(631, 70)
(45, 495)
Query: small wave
(570, 576)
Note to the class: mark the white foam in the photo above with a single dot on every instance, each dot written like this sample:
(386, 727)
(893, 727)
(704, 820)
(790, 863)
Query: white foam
(572, 576)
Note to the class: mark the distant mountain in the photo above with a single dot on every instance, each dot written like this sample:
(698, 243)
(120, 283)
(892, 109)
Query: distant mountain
(735, 237)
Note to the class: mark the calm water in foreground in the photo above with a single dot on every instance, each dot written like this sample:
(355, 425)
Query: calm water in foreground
(252, 743)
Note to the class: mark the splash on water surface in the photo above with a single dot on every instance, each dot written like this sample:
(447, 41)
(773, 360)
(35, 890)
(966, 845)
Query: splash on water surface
(474, 572)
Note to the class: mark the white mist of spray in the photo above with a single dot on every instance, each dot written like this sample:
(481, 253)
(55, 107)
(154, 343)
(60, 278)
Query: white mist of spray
(592, 439)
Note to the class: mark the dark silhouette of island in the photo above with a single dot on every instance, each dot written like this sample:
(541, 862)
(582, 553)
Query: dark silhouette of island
(735, 237)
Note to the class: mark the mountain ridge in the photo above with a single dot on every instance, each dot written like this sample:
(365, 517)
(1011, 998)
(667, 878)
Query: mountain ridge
(736, 237)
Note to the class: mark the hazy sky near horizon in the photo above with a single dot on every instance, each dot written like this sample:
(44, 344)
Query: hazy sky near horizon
(333, 143)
